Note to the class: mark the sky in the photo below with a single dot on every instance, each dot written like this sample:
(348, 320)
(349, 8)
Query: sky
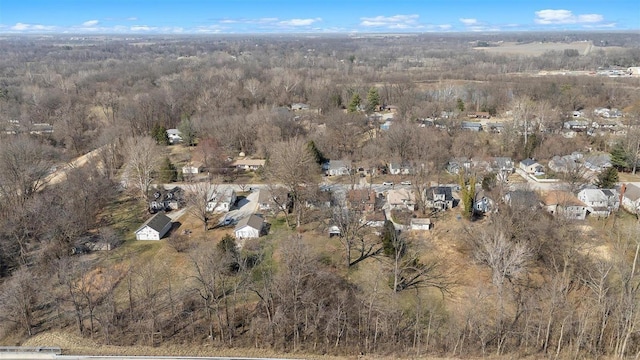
(313, 16)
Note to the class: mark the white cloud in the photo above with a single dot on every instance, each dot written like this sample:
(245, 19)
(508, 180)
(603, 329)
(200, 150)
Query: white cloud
(90, 23)
(22, 27)
(550, 16)
(299, 22)
(468, 21)
(132, 18)
(392, 22)
(142, 28)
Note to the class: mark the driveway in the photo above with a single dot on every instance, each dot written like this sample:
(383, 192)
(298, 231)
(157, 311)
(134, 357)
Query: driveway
(244, 207)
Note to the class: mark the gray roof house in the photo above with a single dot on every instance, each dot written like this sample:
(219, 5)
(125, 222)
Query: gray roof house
(531, 166)
(503, 164)
(154, 228)
(631, 198)
(439, 198)
(600, 202)
(598, 163)
(249, 227)
(337, 168)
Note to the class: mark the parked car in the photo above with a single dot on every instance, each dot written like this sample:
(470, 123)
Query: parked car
(405, 183)
(387, 183)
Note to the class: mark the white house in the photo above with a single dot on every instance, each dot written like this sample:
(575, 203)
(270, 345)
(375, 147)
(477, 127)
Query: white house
(249, 227)
(600, 202)
(155, 228)
(248, 164)
(337, 168)
(174, 136)
(399, 169)
(192, 168)
(531, 166)
(421, 224)
(631, 198)
(221, 201)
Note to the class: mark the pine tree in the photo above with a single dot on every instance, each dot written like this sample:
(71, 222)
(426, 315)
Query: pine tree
(354, 103)
(619, 157)
(159, 134)
(373, 100)
(168, 172)
(608, 178)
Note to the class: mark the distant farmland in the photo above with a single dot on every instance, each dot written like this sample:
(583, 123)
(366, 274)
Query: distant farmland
(539, 48)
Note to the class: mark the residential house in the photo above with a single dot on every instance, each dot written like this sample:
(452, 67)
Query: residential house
(598, 163)
(337, 168)
(401, 199)
(250, 227)
(600, 202)
(566, 163)
(576, 125)
(455, 165)
(154, 228)
(522, 200)
(479, 115)
(248, 164)
(361, 200)
(472, 126)
(221, 200)
(194, 167)
(562, 203)
(165, 200)
(481, 203)
(631, 198)
(531, 167)
(503, 165)
(421, 224)
(375, 219)
(439, 198)
(400, 169)
(265, 201)
(174, 136)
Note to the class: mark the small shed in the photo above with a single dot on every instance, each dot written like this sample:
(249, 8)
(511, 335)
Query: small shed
(421, 224)
(154, 228)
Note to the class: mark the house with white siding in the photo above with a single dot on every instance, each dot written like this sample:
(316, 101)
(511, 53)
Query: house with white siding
(155, 228)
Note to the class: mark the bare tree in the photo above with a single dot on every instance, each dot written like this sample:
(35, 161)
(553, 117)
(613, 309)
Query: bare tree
(142, 159)
(19, 299)
(291, 164)
(202, 197)
(358, 242)
(24, 166)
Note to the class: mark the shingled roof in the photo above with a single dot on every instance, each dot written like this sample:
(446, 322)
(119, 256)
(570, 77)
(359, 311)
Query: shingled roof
(157, 222)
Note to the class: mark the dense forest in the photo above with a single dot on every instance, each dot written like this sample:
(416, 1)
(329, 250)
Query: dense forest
(519, 282)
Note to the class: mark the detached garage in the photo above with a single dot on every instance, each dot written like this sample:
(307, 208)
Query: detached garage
(249, 227)
(154, 228)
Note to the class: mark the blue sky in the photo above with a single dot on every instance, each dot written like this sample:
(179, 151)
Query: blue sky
(303, 16)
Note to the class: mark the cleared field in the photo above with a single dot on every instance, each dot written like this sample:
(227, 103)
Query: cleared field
(539, 48)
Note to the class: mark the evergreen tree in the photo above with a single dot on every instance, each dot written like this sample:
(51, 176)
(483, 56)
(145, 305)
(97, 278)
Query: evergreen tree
(354, 103)
(317, 154)
(168, 172)
(608, 178)
(159, 134)
(468, 194)
(460, 104)
(619, 157)
(373, 100)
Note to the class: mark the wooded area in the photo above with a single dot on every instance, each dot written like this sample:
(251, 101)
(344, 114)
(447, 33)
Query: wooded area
(518, 282)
